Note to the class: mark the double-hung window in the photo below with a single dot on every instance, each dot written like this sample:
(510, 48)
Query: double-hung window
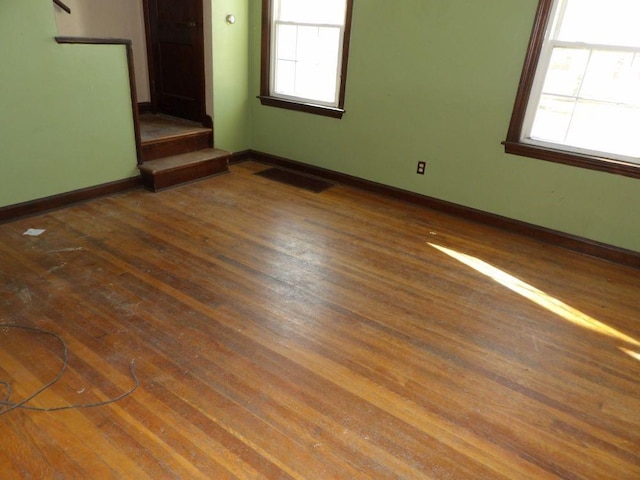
(304, 54)
(579, 97)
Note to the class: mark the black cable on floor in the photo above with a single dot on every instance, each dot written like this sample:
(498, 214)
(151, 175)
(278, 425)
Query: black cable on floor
(6, 405)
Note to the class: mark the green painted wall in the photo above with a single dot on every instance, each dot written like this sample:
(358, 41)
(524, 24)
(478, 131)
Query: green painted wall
(65, 110)
(231, 75)
(435, 80)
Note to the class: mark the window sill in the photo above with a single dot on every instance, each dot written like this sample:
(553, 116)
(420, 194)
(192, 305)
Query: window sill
(302, 107)
(602, 164)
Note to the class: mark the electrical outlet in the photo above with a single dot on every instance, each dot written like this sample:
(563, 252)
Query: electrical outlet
(421, 167)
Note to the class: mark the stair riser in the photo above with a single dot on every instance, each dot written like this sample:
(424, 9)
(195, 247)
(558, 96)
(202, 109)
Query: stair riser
(171, 178)
(175, 146)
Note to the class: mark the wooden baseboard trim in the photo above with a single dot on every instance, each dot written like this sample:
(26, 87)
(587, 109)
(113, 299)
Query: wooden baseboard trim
(564, 240)
(34, 207)
(239, 157)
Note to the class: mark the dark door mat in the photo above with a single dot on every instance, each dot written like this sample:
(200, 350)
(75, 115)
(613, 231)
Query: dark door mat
(295, 179)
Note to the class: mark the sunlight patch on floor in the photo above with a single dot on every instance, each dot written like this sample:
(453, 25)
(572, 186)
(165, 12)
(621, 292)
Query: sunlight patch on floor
(631, 353)
(539, 297)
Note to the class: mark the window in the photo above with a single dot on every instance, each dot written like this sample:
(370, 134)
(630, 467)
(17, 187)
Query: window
(579, 96)
(305, 44)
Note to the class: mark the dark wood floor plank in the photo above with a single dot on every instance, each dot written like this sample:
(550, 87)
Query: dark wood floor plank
(280, 333)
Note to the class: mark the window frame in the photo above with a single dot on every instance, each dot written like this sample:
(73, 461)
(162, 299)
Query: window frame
(514, 144)
(266, 98)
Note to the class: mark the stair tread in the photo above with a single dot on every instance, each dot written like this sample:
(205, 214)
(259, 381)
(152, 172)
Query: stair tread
(183, 160)
(160, 127)
(173, 136)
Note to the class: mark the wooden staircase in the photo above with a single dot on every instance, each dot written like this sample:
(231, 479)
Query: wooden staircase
(177, 151)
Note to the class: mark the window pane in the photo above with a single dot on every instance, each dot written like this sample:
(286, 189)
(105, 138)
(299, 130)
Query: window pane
(312, 73)
(286, 41)
(329, 51)
(318, 45)
(308, 45)
(319, 63)
(315, 83)
(285, 77)
(606, 22)
(633, 88)
(552, 119)
(565, 72)
(606, 127)
(313, 11)
(610, 77)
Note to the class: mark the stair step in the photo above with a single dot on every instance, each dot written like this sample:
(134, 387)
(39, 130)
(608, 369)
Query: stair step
(159, 125)
(185, 167)
(174, 144)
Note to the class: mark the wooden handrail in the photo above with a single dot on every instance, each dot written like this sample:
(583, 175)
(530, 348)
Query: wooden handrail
(62, 6)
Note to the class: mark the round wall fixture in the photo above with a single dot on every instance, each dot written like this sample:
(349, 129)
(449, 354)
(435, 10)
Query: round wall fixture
(231, 19)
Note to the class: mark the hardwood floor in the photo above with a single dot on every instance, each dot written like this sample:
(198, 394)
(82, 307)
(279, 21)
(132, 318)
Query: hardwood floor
(283, 334)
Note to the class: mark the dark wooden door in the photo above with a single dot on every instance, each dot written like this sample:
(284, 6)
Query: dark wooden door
(177, 57)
